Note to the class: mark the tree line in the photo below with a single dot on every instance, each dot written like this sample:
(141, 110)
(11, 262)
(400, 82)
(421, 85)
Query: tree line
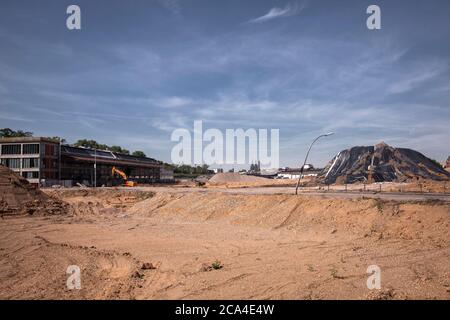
(187, 170)
(9, 133)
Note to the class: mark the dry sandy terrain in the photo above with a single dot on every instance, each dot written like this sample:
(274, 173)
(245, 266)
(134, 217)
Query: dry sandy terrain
(237, 181)
(275, 246)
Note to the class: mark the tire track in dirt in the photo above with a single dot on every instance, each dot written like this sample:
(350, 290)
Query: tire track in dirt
(105, 274)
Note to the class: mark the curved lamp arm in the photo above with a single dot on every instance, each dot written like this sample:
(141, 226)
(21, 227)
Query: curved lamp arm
(306, 159)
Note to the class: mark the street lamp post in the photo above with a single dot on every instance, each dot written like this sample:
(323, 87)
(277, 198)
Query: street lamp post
(306, 159)
(95, 168)
(59, 163)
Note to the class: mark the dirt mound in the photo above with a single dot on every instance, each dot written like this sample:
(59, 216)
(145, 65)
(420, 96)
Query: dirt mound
(233, 177)
(362, 217)
(99, 202)
(114, 270)
(388, 163)
(17, 196)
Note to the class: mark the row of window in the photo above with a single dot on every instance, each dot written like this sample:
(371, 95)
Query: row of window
(17, 149)
(31, 148)
(27, 163)
(30, 163)
(49, 149)
(11, 163)
(30, 174)
(11, 149)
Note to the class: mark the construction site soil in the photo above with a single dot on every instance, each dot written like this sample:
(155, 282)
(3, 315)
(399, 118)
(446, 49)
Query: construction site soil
(159, 244)
(17, 196)
(234, 177)
(237, 180)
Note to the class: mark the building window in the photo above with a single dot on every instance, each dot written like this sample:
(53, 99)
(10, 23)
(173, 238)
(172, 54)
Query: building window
(30, 174)
(11, 163)
(31, 148)
(30, 163)
(11, 149)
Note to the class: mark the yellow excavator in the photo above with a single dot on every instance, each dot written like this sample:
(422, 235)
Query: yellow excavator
(128, 183)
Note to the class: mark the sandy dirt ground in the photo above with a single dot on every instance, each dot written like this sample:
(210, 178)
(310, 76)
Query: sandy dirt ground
(308, 184)
(266, 246)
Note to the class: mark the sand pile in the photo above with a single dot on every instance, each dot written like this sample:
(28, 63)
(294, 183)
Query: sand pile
(99, 201)
(17, 196)
(388, 163)
(236, 180)
(233, 177)
(363, 217)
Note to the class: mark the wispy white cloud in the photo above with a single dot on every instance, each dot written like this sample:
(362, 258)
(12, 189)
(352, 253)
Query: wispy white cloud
(173, 102)
(287, 11)
(413, 79)
(171, 5)
(13, 117)
(90, 122)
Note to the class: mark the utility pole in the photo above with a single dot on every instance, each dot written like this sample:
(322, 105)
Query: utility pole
(59, 164)
(95, 168)
(306, 158)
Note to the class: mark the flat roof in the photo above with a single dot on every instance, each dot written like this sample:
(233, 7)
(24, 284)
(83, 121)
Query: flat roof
(27, 140)
(104, 156)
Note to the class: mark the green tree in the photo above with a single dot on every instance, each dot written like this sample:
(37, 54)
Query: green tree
(119, 149)
(90, 144)
(139, 153)
(95, 145)
(169, 166)
(58, 139)
(9, 133)
(185, 169)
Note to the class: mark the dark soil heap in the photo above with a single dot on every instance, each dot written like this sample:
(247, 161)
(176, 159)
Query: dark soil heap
(389, 164)
(17, 196)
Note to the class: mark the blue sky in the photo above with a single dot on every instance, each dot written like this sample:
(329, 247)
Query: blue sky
(139, 69)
